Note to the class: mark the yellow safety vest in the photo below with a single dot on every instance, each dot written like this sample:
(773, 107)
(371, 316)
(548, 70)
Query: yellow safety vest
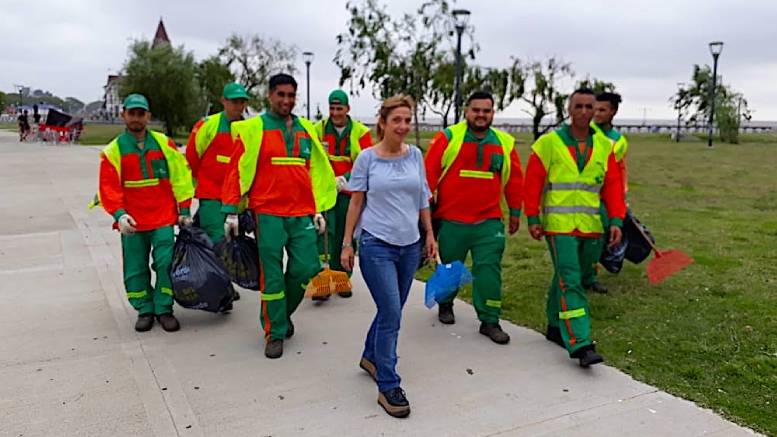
(572, 198)
(619, 147)
(322, 177)
(458, 132)
(357, 132)
(206, 133)
(180, 174)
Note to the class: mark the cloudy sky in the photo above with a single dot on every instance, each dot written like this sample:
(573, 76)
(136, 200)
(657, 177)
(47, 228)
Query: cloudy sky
(644, 46)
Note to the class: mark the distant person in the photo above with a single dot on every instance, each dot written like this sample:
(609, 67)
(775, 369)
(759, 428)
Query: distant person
(605, 109)
(24, 125)
(570, 172)
(282, 169)
(146, 186)
(35, 114)
(471, 167)
(343, 138)
(389, 194)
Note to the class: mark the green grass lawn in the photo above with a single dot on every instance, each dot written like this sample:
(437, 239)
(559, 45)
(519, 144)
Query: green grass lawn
(708, 334)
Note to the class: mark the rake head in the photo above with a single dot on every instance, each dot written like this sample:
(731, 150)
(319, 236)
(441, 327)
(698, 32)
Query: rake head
(666, 264)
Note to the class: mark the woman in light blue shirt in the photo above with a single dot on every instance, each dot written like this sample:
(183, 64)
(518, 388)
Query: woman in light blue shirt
(388, 182)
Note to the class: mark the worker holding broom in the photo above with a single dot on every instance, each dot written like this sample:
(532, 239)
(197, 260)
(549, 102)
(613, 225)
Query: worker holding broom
(343, 138)
(281, 166)
(570, 172)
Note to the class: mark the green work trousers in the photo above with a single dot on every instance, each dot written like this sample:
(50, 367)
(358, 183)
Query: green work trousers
(211, 219)
(567, 306)
(486, 242)
(282, 292)
(135, 248)
(335, 229)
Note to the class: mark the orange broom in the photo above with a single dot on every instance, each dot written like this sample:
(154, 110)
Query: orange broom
(665, 263)
(328, 281)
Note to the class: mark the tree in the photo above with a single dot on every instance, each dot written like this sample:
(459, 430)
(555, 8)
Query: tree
(212, 75)
(396, 55)
(596, 85)
(167, 76)
(73, 105)
(2, 101)
(730, 106)
(253, 59)
(542, 93)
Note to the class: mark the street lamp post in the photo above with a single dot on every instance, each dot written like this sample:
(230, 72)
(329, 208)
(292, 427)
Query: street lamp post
(462, 17)
(715, 48)
(680, 86)
(308, 58)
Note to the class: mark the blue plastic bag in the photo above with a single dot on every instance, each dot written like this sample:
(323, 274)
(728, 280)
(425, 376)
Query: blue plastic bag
(446, 279)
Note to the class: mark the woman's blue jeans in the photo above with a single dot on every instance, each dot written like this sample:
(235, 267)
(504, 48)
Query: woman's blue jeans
(388, 271)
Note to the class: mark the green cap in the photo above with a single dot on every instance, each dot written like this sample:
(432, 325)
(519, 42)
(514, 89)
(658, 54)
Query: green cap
(338, 97)
(235, 91)
(133, 101)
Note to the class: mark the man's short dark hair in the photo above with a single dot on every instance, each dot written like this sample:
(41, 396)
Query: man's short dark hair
(282, 79)
(613, 98)
(583, 91)
(480, 95)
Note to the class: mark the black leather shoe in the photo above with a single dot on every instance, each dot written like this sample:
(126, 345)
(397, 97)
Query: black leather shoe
(144, 323)
(274, 348)
(169, 322)
(553, 334)
(320, 298)
(394, 402)
(290, 330)
(597, 288)
(494, 332)
(587, 356)
(445, 313)
(345, 294)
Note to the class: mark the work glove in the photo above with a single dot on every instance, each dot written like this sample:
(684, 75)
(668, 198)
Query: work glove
(320, 223)
(185, 221)
(341, 183)
(127, 224)
(230, 226)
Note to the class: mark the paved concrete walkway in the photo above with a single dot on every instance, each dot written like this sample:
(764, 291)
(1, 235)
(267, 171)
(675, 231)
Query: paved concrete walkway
(71, 365)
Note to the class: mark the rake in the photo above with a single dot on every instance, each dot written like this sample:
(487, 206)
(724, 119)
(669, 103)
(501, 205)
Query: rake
(328, 281)
(665, 263)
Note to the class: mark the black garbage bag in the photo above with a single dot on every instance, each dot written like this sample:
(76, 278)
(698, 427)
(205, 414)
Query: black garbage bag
(199, 279)
(612, 258)
(246, 223)
(240, 256)
(638, 248)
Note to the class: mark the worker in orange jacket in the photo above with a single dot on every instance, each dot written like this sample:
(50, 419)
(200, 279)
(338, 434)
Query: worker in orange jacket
(146, 186)
(470, 167)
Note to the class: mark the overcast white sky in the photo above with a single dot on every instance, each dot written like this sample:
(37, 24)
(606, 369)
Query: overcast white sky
(644, 46)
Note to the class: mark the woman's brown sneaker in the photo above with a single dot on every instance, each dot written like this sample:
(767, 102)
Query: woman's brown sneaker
(369, 367)
(394, 402)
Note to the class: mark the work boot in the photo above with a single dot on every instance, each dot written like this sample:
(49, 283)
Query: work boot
(494, 332)
(394, 402)
(597, 288)
(169, 322)
(445, 313)
(290, 330)
(587, 356)
(235, 295)
(345, 294)
(274, 348)
(553, 334)
(369, 367)
(144, 323)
